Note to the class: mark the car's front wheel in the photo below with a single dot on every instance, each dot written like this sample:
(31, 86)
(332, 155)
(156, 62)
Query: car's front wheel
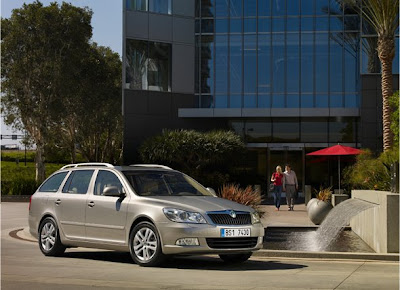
(49, 238)
(235, 258)
(145, 245)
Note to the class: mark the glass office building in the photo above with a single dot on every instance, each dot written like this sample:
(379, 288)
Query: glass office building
(289, 76)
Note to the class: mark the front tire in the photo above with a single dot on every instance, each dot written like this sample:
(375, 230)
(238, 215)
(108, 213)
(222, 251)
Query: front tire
(235, 258)
(145, 245)
(49, 238)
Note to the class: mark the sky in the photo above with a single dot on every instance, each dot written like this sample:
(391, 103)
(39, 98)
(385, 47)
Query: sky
(106, 23)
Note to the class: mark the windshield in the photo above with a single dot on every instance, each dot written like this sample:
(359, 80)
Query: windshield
(161, 183)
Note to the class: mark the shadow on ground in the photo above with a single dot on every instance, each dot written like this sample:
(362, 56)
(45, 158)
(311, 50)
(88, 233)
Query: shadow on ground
(187, 262)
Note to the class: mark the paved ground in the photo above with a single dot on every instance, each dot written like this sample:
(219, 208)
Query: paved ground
(283, 217)
(24, 267)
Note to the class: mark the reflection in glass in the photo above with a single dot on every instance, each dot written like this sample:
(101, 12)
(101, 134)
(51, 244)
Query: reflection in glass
(342, 130)
(351, 100)
(336, 23)
(221, 64)
(136, 64)
(336, 62)
(221, 8)
(264, 24)
(278, 101)
(278, 24)
(250, 64)
(264, 7)
(321, 101)
(292, 101)
(221, 25)
(238, 127)
(264, 100)
(396, 57)
(307, 23)
(206, 101)
(335, 7)
(235, 64)
(307, 63)
(321, 61)
(336, 101)
(138, 5)
(250, 7)
(235, 101)
(286, 130)
(278, 63)
(235, 8)
(160, 6)
(322, 23)
(258, 131)
(159, 67)
(351, 60)
(148, 65)
(352, 22)
(197, 64)
(293, 62)
(370, 59)
(207, 8)
(207, 64)
(221, 101)
(264, 64)
(307, 100)
(307, 7)
(250, 25)
(314, 130)
(279, 7)
(293, 7)
(321, 7)
(293, 24)
(207, 25)
(236, 25)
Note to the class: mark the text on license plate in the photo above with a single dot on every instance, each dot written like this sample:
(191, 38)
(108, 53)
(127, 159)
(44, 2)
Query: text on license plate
(235, 233)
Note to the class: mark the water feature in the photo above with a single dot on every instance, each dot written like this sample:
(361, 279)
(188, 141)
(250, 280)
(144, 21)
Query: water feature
(330, 235)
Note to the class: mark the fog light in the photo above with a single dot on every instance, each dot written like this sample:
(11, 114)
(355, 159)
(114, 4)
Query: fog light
(187, 242)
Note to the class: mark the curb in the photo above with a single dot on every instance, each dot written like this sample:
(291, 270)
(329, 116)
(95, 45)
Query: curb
(327, 255)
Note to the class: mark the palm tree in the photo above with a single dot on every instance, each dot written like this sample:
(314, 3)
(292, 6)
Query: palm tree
(383, 16)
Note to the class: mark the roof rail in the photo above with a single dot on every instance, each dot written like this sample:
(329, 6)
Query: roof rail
(88, 164)
(151, 165)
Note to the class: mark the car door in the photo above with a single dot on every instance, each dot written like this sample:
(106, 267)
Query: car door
(70, 204)
(106, 215)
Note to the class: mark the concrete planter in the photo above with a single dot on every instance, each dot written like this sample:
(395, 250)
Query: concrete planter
(317, 210)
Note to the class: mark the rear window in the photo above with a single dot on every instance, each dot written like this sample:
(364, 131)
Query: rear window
(53, 183)
(163, 183)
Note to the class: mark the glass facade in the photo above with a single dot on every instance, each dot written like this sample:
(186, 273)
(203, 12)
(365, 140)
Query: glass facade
(156, 6)
(282, 54)
(148, 65)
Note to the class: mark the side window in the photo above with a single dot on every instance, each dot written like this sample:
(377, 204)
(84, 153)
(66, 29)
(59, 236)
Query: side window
(53, 183)
(105, 179)
(78, 182)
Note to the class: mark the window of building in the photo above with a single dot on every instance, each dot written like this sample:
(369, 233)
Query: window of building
(138, 5)
(235, 8)
(160, 6)
(264, 63)
(342, 129)
(148, 65)
(258, 131)
(314, 130)
(235, 64)
(207, 8)
(286, 130)
(207, 64)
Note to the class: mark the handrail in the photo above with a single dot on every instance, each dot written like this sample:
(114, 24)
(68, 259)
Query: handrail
(88, 164)
(151, 165)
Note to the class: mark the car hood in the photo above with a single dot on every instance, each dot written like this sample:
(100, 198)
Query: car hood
(199, 203)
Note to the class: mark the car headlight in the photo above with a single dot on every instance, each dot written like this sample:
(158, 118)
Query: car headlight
(255, 218)
(183, 216)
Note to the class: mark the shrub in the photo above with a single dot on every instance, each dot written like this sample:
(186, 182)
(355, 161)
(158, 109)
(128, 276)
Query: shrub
(370, 172)
(19, 187)
(324, 194)
(247, 196)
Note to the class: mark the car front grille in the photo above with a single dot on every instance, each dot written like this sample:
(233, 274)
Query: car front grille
(242, 218)
(232, 243)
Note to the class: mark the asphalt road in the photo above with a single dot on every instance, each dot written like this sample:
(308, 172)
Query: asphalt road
(24, 267)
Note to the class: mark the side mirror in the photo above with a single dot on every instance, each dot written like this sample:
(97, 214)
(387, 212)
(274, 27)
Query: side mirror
(112, 191)
(212, 191)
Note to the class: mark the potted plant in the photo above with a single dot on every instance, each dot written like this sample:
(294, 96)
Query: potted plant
(319, 207)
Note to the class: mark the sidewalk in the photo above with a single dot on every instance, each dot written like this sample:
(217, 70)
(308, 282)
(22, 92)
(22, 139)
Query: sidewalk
(284, 218)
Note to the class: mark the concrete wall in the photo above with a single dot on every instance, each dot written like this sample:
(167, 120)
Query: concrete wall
(378, 226)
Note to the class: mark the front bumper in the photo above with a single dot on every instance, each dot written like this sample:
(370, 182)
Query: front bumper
(170, 232)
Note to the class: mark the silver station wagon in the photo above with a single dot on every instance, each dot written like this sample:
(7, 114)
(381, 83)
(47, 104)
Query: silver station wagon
(150, 211)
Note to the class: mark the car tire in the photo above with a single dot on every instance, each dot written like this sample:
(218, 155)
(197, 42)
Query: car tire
(49, 238)
(145, 245)
(235, 258)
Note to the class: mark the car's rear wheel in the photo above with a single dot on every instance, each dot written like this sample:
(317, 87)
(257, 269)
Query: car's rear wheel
(235, 258)
(145, 245)
(49, 238)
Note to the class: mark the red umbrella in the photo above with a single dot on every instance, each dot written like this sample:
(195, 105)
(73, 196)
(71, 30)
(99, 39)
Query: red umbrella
(336, 150)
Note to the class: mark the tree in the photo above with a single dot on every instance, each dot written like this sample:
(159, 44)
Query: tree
(383, 16)
(40, 49)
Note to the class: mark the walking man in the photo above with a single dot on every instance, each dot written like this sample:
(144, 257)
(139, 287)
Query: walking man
(290, 185)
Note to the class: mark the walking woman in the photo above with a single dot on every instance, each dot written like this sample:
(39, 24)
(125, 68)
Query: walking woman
(276, 178)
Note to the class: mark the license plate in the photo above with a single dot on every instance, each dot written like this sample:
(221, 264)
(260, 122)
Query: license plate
(226, 233)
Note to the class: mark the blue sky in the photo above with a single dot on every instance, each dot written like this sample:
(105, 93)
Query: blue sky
(106, 23)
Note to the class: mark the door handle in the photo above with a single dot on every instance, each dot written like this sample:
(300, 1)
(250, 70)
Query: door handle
(91, 204)
(58, 201)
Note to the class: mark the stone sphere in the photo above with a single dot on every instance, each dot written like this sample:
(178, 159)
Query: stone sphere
(318, 210)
